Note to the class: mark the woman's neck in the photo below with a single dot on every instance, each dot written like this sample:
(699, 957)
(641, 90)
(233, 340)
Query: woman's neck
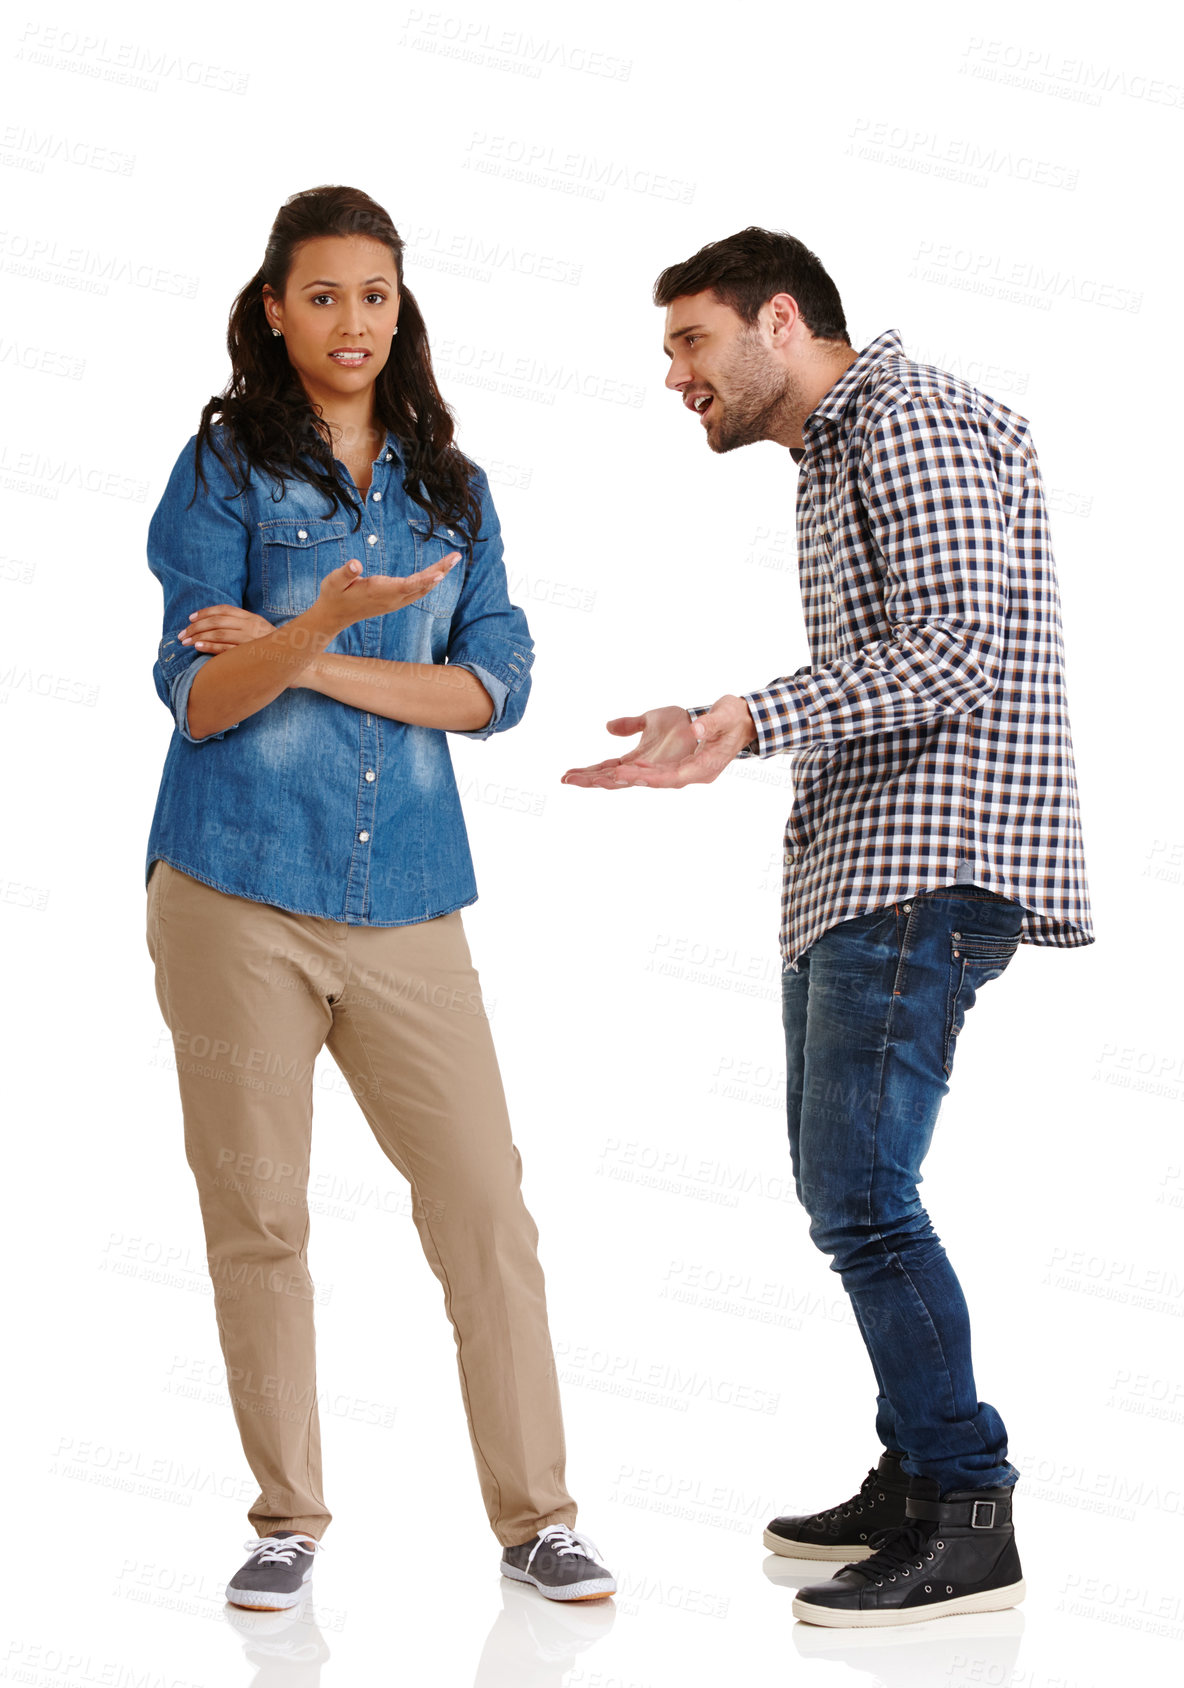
(354, 435)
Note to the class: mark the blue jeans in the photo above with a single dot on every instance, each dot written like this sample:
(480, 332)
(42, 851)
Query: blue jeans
(871, 1022)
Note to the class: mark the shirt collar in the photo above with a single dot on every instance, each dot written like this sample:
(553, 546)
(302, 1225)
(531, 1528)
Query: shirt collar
(391, 444)
(394, 447)
(835, 400)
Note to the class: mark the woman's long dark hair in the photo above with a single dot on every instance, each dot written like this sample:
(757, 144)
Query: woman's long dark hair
(267, 418)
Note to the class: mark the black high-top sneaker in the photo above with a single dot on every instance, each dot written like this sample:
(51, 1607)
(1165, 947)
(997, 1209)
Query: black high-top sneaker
(845, 1532)
(955, 1553)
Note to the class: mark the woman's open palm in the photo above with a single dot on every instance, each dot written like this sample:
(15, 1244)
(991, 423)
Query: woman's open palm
(350, 596)
(218, 627)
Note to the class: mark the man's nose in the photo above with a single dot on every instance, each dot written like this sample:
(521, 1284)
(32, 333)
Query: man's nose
(677, 378)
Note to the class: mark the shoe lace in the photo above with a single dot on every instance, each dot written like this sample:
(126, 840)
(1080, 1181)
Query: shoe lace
(280, 1549)
(562, 1540)
(897, 1551)
(855, 1503)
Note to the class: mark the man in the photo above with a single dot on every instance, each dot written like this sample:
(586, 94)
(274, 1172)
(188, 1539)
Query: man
(935, 827)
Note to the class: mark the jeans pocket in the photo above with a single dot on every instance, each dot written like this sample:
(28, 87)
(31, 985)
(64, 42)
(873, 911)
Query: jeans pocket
(975, 958)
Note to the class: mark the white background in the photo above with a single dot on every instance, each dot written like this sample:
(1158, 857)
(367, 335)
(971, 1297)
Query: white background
(1004, 196)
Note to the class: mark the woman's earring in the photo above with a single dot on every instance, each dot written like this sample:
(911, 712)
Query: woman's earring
(394, 331)
(277, 333)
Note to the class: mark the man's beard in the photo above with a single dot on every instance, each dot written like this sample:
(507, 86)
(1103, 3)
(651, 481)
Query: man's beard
(762, 394)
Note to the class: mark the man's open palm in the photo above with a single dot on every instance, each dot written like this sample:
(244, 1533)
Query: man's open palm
(673, 749)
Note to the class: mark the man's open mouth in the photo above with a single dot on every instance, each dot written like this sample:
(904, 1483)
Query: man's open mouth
(701, 403)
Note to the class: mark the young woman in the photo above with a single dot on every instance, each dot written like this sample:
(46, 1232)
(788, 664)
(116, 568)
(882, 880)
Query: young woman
(334, 604)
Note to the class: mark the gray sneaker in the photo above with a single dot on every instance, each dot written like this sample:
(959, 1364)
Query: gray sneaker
(560, 1564)
(275, 1575)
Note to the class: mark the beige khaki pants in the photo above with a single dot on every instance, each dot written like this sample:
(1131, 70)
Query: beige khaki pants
(250, 994)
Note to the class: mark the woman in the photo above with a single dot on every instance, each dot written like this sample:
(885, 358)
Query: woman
(335, 603)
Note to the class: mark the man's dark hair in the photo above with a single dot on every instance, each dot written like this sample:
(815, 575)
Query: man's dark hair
(746, 269)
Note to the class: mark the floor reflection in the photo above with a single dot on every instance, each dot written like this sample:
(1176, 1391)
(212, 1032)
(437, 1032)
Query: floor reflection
(286, 1648)
(534, 1641)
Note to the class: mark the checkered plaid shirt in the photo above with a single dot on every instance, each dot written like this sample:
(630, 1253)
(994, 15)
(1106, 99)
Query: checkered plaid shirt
(931, 732)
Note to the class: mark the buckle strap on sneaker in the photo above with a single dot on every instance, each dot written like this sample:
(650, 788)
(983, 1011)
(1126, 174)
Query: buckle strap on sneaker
(966, 1514)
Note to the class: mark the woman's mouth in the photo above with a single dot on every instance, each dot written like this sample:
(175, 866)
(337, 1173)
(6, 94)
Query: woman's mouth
(349, 359)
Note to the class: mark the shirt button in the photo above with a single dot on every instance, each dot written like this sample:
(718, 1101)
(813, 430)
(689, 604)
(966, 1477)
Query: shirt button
(388, 458)
(377, 496)
(302, 533)
(369, 773)
(364, 836)
(789, 856)
(373, 539)
(450, 533)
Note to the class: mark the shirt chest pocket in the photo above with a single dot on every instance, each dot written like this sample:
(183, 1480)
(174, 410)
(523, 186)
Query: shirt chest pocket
(442, 599)
(297, 555)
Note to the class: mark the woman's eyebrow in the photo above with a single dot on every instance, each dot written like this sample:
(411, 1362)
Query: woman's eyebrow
(323, 283)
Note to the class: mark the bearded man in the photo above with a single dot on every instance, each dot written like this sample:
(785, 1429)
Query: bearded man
(935, 827)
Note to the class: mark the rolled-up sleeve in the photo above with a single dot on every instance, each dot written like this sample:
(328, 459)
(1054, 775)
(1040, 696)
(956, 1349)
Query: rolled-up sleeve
(488, 634)
(198, 552)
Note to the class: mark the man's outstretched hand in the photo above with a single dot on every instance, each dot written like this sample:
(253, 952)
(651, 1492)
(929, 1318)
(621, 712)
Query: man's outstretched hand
(673, 749)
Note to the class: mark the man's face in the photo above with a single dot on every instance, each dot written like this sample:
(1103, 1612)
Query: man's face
(726, 371)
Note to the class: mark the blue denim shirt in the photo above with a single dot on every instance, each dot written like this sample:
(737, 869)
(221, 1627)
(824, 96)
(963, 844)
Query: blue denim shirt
(309, 803)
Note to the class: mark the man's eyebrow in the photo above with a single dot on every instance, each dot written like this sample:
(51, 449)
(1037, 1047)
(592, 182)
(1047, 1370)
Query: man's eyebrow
(323, 283)
(678, 334)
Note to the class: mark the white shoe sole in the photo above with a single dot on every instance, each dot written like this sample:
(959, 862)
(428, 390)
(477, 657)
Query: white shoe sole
(592, 1588)
(265, 1600)
(814, 1550)
(991, 1600)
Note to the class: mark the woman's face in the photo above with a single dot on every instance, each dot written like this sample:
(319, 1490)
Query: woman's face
(338, 314)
